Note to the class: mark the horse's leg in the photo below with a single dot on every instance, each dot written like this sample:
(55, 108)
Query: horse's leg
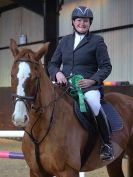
(129, 152)
(68, 172)
(33, 174)
(130, 166)
(115, 168)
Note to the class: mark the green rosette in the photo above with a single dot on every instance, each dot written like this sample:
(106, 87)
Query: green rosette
(74, 81)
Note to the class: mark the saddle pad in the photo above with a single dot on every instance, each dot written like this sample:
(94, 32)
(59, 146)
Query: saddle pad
(113, 116)
(88, 122)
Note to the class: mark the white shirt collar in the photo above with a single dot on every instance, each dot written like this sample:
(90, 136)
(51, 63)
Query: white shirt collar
(78, 38)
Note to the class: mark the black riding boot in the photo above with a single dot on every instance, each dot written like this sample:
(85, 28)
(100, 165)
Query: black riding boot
(106, 152)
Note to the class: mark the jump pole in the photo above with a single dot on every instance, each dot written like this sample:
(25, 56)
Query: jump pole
(11, 155)
(11, 133)
(82, 174)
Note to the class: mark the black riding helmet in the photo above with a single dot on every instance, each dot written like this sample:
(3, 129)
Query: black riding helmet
(82, 12)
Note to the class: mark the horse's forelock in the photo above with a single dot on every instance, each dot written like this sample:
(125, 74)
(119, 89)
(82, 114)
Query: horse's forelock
(26, 53)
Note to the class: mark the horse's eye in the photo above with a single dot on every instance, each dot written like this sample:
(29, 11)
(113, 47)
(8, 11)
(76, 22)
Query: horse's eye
(13, 77)
(36, 67)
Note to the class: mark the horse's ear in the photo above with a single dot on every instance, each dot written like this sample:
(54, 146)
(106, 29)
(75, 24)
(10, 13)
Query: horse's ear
(14, 47)
(42, 51)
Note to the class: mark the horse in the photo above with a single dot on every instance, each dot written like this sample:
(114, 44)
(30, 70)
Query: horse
(54, 139)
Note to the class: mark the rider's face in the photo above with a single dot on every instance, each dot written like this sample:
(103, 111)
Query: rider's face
(82, 25)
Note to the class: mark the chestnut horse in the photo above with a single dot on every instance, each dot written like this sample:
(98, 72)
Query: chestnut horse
(54, 139)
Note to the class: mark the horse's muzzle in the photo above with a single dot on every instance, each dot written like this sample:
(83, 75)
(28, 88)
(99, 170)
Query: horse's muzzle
(20, 122)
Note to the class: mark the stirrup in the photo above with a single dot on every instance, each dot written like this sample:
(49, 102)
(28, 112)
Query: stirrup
(106, 152)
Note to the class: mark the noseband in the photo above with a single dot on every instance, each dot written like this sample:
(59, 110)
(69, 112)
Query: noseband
(27, 99)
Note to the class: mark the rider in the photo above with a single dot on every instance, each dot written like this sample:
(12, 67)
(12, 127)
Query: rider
(86, 54)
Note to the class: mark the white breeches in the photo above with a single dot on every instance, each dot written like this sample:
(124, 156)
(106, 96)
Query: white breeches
(93, 99)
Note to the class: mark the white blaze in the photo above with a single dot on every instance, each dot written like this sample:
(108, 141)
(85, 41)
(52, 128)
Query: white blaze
(20, 110)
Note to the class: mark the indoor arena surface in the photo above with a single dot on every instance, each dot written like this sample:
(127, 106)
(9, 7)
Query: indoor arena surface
(19, 168)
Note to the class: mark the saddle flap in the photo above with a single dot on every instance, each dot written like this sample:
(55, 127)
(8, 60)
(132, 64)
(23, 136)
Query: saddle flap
(86, 119)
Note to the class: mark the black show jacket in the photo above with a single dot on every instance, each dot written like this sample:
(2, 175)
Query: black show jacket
(90, 58)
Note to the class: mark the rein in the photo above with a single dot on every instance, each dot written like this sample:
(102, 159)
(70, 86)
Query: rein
(51, 118)
(37, 142)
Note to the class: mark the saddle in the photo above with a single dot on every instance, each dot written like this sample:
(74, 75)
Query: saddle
(88, 122)
(87, 119)
(76, 92)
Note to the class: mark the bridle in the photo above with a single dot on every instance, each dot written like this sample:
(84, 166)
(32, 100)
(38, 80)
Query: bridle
(27, 99)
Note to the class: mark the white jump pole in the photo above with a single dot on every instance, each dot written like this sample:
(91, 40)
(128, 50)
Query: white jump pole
(11, 133)
(82, 174)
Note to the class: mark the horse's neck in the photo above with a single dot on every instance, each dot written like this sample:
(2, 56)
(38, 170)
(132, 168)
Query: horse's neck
(48, 88)
(46, 93)
(45, 96)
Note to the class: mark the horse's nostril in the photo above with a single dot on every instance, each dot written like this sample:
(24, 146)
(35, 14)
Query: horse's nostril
(12, 118)
(25, 118)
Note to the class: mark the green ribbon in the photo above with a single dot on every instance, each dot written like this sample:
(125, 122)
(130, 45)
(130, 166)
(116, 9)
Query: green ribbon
(74, 81)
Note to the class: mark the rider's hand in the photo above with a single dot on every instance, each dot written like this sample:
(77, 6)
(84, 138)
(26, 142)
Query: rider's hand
(61, 79)
(84, 83)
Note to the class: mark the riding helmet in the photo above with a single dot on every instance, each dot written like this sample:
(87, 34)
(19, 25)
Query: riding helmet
(82, 12)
